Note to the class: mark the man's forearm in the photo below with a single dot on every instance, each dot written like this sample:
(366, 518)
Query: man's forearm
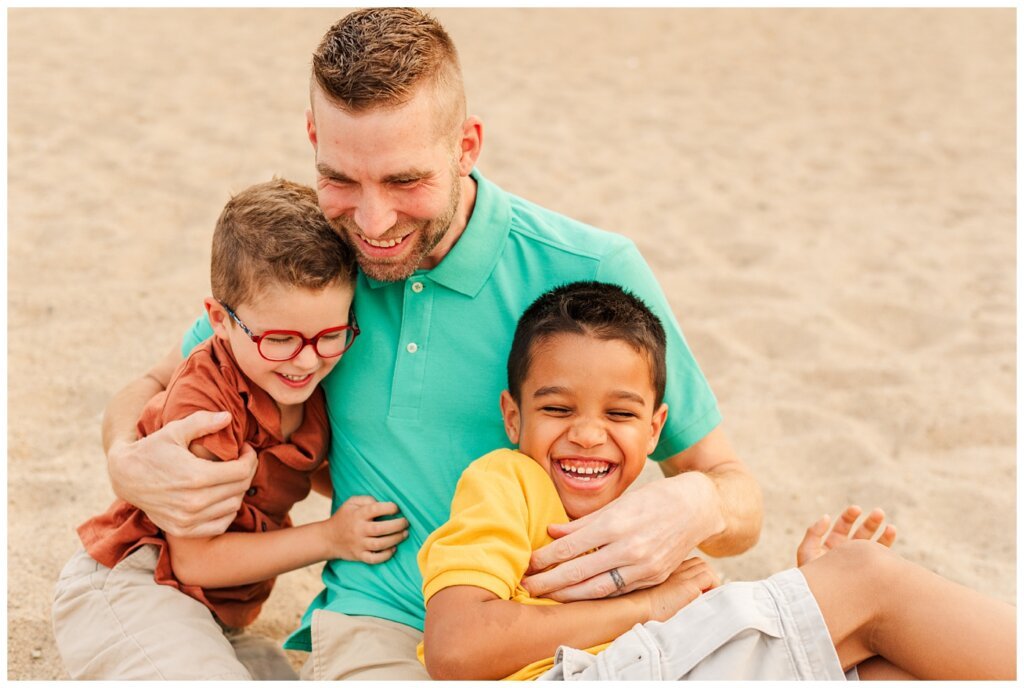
(124, 410)
(740, 501)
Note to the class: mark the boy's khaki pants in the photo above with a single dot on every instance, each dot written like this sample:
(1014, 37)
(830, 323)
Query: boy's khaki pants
(120, 624)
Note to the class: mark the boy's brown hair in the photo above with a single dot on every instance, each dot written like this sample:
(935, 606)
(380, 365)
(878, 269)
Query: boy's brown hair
(379, 57)
(275, 233)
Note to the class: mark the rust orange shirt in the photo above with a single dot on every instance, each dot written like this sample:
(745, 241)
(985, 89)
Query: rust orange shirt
(209, 380)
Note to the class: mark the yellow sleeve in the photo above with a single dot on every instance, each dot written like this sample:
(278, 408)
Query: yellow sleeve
(502, 506)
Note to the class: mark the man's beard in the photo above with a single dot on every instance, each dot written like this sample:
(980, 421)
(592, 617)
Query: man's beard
(429, 234)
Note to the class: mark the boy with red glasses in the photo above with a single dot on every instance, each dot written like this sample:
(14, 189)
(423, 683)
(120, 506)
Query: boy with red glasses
(137, 603)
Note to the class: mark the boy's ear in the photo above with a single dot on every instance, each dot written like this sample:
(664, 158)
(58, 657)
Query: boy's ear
(510, 412)
(657, 423)
(218, 317)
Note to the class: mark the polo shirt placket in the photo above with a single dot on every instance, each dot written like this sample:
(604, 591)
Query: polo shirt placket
(414, 338)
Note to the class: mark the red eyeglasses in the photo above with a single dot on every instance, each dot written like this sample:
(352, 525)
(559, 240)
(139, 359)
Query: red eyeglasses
(284, 345)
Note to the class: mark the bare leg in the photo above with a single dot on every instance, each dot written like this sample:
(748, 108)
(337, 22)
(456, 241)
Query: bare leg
(881, 669)
(877, 603)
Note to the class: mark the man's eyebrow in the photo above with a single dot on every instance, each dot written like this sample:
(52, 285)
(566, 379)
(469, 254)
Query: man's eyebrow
(325, 170)
(406, 175)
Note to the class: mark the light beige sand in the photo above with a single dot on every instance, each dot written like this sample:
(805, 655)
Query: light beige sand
(827, 197)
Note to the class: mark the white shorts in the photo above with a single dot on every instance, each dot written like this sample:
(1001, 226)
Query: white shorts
(769, 629)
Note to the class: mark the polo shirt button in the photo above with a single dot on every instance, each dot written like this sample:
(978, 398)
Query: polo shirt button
(417, 287)
(251, 491)
(263, 527)
(412, 348)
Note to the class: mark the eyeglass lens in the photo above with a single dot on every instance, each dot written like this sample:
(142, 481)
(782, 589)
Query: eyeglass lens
(281, 347)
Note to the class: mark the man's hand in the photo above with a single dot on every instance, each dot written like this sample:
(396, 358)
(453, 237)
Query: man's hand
(644, 534)
(183, 495)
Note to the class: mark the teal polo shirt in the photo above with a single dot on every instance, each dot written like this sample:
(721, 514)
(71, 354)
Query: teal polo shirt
(415, 400)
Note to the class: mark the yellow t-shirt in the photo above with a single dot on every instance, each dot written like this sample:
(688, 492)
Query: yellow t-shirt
(502, 507)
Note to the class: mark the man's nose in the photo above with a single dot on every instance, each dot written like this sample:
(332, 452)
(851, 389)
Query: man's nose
(587, 433)
(374, 214)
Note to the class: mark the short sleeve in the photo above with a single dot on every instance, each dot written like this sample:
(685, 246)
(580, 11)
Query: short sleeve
(200, 331)
(490, 536)
(201, 385)
(693, 409)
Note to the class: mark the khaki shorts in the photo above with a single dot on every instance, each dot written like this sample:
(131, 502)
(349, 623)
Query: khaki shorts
(362, 648)
(770, 629)
(120, 624)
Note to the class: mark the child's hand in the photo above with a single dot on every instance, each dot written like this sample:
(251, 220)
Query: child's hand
(355, 535)
(815, 543)
(693, 577)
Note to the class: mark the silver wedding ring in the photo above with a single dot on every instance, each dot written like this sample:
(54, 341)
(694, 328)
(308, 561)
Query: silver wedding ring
(617, 577)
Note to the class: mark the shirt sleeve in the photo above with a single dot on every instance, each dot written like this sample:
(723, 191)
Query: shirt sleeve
(491, 534)
(693, 410)
(201, 385)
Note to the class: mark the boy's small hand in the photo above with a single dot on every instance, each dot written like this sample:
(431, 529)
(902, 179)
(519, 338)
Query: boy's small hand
(355, 535)
(816, 544)
(693, 578)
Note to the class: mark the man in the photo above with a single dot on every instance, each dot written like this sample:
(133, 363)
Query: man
(448, 262)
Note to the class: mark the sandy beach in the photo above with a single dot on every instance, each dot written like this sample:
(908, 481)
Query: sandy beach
(827, 197)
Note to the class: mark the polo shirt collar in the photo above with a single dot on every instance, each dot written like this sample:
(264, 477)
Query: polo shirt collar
(472, 259)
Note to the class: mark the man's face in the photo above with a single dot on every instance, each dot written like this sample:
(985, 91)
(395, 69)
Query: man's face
(389, 182)
(586, 415)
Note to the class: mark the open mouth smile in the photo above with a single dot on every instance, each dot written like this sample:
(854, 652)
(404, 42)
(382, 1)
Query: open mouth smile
(582, 471)
(382, 243)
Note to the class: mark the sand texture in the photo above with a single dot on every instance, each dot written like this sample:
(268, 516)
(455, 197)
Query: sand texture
(827, 197)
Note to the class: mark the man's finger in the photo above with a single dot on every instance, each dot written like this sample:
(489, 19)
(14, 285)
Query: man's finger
(571, 572)
(568, 547)
(232, 475)
(602, 585)
(212, 520)
(196, 424)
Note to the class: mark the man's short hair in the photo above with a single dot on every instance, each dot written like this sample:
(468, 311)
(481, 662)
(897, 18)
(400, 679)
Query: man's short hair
(594, 309)
(379, 57)
(275, 233)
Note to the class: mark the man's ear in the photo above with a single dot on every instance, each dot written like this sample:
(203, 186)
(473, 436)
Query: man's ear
(219, 317)
(657, 423)
(311, 127)
(470, 143)
(510, 413)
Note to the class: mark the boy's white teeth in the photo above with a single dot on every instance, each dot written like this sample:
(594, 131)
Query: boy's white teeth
(584, 471)
(295, 378)
(383, 244)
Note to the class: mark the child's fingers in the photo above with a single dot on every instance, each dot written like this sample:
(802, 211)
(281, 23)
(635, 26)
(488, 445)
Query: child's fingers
(843, 525)
(870, 525)
(888, 536)
(378, 509)
(369, 557)
(387, 527)
(379, 544)
(810, 547)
